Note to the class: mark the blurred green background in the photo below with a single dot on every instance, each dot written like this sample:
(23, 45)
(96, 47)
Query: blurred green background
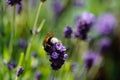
(54, 23)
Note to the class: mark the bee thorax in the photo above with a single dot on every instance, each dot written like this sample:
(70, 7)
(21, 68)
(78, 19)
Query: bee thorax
(54, 40)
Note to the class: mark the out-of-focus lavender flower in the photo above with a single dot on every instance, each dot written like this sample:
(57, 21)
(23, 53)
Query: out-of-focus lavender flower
(57, 6)
(11, 65)
(22, 43)
(68, 32)
(34, 54)
(105, 24)
(78, 2)
(19, 8)
(104, 44)
(73, 66)
(87, 17)
(37, 75)
(91, 58)
(33, 2)
(13, 2)
(56, 51)
(19, 71)
(83, 25)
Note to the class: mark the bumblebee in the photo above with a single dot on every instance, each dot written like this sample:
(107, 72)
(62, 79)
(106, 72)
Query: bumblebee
(49, 41)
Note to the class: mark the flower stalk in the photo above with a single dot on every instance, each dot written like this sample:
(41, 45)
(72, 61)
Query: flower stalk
(33, 31)
(21, 59)
(37, 16)
(12, 33)
(32, 37)
(54, 74)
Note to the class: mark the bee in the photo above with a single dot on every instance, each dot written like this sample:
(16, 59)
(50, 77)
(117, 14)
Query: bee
(49, 41)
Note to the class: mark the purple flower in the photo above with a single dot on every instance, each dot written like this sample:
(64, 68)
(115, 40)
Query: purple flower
(19, 8)
(83, 25)
(33, 3)
(73, 67)
(13, 2)
(105, 24)
(87, 17)
(56, 51)
(34, 54)
(68, 32)
(19, 71)
(91, 58)
(60, 47)
(11, 65)
(22, 43)
(37, 75)
(54, 55)
(57, 63)
(104, 44)
(79, 2)
(57, 6)
(65, 56)
(58, 57)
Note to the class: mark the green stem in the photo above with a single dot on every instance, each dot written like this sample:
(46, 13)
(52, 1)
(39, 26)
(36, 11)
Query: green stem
(2, 16)
(12, 33)
(75, 50)
(16, 78)
(10, 74)
(28, 48)
(37, 16)
(54, 74)
(20, 63)
(41, 25)
(32, 37)
(34, 26)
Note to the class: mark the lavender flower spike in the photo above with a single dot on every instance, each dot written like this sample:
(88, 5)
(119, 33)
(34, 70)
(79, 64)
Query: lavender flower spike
(34, 54)
(87, 17)
(57, 7)
(19, 8)
(91, 58)
(13, 2)
(106, 24)
(104, 44)
(11, 65)
(22, 43)
(37, 75)
(56, 51)
(58, 57)
(79, 3)
(68, 32)
(19, 71)
(83, 25)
